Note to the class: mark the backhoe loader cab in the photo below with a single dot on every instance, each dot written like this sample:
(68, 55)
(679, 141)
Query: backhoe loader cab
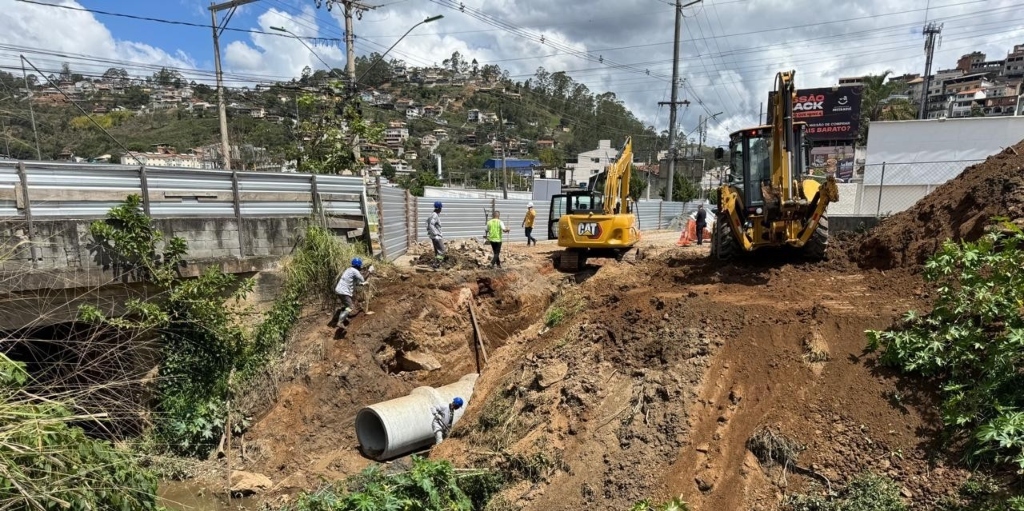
(768, 199)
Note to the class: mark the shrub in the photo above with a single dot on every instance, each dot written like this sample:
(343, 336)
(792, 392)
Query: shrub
(45, 463)
(868, 492)
(427, 485)
(971, 342)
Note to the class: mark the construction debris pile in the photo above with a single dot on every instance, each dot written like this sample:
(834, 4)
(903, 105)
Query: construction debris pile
(464, 254)
(960, 209)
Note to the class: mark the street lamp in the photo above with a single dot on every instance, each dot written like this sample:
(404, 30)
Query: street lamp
(330, 69)
(374, 64)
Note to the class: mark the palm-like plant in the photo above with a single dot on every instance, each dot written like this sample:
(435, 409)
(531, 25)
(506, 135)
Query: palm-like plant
(877, 103)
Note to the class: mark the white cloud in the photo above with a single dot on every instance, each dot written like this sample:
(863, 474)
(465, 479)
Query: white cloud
(49, 36)
(277, 57)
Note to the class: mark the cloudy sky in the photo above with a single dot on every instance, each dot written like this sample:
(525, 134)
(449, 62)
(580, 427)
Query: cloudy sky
(730, 49)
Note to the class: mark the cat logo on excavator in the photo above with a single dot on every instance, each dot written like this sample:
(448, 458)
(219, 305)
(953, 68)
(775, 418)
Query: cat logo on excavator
(589, 229)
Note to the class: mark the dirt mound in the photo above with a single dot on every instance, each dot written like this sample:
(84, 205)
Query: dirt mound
(959, 209)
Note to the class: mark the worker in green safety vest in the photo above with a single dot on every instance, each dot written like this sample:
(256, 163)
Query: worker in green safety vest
(495, 228)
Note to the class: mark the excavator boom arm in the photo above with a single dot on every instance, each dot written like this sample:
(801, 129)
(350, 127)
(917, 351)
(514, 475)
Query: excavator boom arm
(616, 184)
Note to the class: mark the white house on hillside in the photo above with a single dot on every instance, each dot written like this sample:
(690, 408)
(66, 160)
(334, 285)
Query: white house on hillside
(589, 163)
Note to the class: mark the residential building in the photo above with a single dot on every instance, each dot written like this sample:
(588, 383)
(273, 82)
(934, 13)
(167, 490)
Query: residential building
(545, 144)
(851, 81)
(1013, 65)
(429, 142)
(489, 117)
(441, 134)
(162, 156)
(965, 103)
(589, 163)
(413, 112)
(975, 63)
(396, 134)
(433, 111)
(473, 115)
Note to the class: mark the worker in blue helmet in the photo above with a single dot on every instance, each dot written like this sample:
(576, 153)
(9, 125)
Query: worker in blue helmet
(350, 279)
(435, 235)
(444, 418)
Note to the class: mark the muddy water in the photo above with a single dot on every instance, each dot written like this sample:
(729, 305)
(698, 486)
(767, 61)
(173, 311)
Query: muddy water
(186, 496)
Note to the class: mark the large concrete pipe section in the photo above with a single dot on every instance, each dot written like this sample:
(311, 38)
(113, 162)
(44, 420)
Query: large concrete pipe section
(403, 425)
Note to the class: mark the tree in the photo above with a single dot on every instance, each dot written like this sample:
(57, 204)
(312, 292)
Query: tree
(684, 190)
(878, 103)
(116, 75)
(65, 73)
(328, 135)
(551, 158)
(475, 69)
(168, 78)
(388, 170)
(379, 75)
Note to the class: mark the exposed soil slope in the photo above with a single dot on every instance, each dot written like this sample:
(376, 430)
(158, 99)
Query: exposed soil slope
(959, 209)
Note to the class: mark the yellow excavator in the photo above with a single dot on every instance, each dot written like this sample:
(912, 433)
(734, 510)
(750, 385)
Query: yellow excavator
(588, 223)
(768, 199)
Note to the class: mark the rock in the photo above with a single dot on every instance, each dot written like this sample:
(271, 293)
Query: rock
(248, 483)
(552, 374)
(418, 361)
(703, 484)
(705, 447)
(906, 493)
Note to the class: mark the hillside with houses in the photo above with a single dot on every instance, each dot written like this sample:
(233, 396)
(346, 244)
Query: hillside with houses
(458, 113)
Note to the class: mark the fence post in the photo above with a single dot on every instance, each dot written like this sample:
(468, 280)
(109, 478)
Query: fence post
(881, 185)
(661, 205)
(236, 200)
(27, 202)
(144, 183)
(415, 218)
(315, 190)
(380, 221)
(410, 223)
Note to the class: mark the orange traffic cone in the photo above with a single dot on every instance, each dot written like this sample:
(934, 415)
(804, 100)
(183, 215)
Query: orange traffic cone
(689, 234)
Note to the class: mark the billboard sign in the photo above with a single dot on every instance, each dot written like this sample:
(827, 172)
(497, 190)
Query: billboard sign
(830, 114)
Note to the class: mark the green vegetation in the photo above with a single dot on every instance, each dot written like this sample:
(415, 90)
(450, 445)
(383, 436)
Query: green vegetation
(971, 342)
(47, 463)
(428, 485)
(201, 335)
(568, 304)
(868, 492)
(981, 493)
(676, 504)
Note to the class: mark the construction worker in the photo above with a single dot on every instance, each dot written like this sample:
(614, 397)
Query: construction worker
(495, 228)
(444, 417)
(435, 235)
(350, 279)
(531, 215)
(702, 222)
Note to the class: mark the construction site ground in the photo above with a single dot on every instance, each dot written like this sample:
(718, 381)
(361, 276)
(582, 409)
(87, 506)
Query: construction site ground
(651, 384)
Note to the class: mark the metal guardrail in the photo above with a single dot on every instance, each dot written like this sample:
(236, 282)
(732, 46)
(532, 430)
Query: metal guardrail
(69, 190)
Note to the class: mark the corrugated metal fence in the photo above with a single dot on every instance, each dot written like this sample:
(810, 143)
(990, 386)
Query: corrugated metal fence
(68, 190)
(395, 204)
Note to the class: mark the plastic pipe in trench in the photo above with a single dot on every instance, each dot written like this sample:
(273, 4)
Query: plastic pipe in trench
(403, 425)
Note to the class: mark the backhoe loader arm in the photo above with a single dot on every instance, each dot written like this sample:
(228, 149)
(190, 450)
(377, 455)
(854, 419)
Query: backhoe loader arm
(782, 135)
(616, 184)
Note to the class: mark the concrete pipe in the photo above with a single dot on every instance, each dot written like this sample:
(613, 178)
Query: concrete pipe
(403, 425)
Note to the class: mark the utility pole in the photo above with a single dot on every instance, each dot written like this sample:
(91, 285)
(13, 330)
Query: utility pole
(222, 109)
(930, 31)
(351, 8)
(504, 143)
(31, 111)
(675, 98)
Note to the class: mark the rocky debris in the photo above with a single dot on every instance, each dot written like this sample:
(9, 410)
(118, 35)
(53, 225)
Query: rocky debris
(248, 483)
(417, 361)
(552, 374)
(468, 253)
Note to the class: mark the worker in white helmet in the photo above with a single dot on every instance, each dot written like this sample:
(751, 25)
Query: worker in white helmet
(531, 215)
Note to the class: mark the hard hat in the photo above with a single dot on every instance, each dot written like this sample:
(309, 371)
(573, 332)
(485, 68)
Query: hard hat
(357, 263)
(530, 205)
(457, 402)
(437, 204)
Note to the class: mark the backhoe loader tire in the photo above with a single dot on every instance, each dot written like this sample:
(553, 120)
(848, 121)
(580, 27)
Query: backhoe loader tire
(723, 245)
(817, 247)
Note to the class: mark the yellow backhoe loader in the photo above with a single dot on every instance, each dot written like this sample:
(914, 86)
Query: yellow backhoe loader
(588, 223)
(768, 199)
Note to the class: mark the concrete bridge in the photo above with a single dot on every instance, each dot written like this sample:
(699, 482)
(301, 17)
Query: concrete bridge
(242, 222)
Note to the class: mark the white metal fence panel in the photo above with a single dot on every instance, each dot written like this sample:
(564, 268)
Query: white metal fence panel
(176, 192)
(393, 223)
(264, 194)
(513, 212)
(648, 214)
(336, 193)
(9, 183)
(70, 191)
(460, 218)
